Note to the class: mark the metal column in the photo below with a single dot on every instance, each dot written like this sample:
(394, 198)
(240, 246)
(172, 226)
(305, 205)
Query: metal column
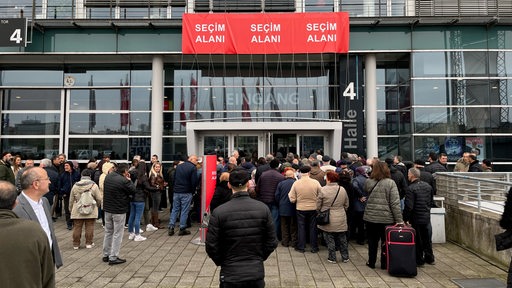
(372, 147)
(157, 105)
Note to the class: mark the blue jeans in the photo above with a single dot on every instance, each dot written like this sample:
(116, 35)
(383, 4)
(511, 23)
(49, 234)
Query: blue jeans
(274, 209)
(180, 202)
(136, 209)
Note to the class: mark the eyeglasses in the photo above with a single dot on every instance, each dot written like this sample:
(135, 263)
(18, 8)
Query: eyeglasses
(47, 178)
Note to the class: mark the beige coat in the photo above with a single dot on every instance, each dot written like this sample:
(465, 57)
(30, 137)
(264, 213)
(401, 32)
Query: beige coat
(304, 192)
(337, 214)
(76, 192)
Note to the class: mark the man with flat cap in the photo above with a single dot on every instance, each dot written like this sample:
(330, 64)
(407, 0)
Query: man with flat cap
(241, 236)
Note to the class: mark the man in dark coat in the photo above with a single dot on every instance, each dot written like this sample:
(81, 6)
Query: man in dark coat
(287, 210)
(398, 177)
(266, 191)
(25, 247)
(186, 179)
(474, 166)
(53, 193)
(35, 183)
(417, 212)
(241, 236)
(6, 173)
(117, 190)
(263, 167)
(437, 164)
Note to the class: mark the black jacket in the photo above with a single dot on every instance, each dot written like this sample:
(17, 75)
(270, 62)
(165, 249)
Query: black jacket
(435, 167)
(417, 203)
(221, 195)
(475, 167)
(142, 188)
(117, 192)
(240, 237)
(400, 180)
(185, 178)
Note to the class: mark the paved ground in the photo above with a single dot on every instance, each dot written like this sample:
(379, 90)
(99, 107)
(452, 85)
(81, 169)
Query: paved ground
(163, 261)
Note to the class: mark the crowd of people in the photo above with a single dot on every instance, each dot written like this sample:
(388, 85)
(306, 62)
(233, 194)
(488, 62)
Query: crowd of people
(283, 196)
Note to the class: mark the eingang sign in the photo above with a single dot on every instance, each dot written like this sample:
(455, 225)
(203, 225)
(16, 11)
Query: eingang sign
(265, 33)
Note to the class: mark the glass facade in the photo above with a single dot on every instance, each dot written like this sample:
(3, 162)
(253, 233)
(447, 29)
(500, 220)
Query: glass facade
(461, 103)
(442, 88)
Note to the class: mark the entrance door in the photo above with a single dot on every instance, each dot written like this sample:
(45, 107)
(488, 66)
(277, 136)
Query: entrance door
(260, 138)
(284, 144)
(247, 145)
(311, 144)
(216, 145)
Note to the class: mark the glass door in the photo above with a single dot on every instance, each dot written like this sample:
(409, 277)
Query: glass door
(247, 145)
(284, 144)
(216, 145)
(311, 144)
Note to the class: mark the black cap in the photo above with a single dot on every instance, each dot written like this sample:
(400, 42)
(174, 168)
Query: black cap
(326, 158)
(274, 163)
(419, 162)
(238, 177)
(304, 169)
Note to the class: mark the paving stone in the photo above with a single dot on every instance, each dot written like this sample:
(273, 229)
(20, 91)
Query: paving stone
(163, 261)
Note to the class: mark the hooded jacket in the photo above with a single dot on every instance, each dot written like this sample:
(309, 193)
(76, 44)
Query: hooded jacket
(85, 184)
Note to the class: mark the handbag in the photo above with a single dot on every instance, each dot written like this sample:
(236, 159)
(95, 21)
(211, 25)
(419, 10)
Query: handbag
(322, 217)
(504, 240)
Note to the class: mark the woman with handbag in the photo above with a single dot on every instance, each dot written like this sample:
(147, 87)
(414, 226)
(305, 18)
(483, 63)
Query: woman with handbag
(382, 209)
(333, 198)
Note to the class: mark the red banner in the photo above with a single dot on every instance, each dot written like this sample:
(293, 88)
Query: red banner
(209, 178)
(265, 33)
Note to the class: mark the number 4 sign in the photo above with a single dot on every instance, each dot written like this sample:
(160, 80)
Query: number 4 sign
(13, 32)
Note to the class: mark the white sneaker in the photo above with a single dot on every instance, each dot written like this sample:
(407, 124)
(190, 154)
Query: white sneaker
(141, 231)
(151, 228)
(89, 246)
(75, 248)
(139, 238)
(131, 236)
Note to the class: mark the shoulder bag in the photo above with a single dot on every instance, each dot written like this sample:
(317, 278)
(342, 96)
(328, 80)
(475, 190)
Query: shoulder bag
(322, 217)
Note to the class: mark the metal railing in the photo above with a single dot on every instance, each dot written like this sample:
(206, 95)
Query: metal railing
(144, 9)
(483, 191)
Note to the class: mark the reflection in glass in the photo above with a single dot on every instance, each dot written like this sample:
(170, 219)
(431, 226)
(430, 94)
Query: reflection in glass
(140, 146)
(103, 99)
(388, 147)
(319, 5)
(216, 145)
(102, 123)
(116, 148)
(140, 124)
(431, 92)
(249, 99)
(450, 64)
(456, 92)
(111, 99)
(30, 124)
(32, 78)
(36, 149)
(174, 149)
(311, 144)
(31, 99)
(246, 145)
(84, 77)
